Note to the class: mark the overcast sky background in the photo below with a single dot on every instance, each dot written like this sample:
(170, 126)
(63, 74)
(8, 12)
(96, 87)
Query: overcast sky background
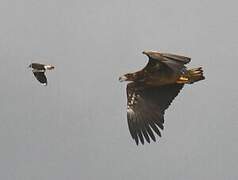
(76, 127)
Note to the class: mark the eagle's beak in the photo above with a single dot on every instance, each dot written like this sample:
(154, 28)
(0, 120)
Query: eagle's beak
(122, 78)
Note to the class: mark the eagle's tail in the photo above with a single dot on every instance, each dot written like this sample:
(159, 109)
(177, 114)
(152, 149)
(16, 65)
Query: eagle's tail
(191, 76)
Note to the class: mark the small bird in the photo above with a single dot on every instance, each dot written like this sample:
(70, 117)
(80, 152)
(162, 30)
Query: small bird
(39, 71)
(152, 90)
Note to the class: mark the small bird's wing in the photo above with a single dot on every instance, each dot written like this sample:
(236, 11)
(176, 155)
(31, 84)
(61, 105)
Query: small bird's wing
(146, 107)
(165, 60)
(40, 76)
(38, 66)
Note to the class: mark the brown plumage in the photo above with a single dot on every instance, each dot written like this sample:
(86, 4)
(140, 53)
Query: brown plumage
(151, 91)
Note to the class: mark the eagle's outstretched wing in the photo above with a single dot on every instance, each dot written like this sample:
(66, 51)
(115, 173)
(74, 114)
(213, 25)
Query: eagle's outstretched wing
(40, 76)
(146, 107)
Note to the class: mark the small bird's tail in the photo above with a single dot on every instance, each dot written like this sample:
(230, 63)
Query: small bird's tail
(49, 67)
(191, 76)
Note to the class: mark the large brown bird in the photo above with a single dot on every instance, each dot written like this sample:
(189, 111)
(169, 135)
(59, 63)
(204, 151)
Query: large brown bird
(39, 71)
(151, 91)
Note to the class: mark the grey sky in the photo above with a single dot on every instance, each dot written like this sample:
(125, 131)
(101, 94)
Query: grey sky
(75, 128)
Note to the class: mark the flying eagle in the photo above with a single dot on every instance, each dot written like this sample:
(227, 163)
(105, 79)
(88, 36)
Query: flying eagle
(152, 90)
(39, 71)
